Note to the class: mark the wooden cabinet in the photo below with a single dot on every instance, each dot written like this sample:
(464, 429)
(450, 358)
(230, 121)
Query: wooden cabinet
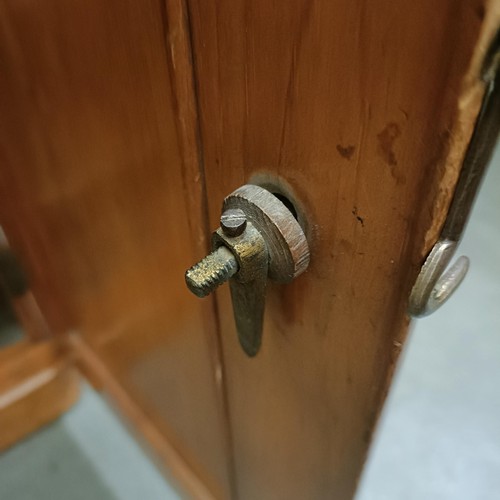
(125, 124)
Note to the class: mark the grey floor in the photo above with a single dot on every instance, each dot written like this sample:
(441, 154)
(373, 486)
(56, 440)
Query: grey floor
(85, 455)
(439, 436)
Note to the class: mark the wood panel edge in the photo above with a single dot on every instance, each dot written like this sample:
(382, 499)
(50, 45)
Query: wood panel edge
(180, 59)
(467, 109)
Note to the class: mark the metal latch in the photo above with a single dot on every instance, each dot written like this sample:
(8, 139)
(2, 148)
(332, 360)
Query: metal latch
(434, 285)
(258, 238)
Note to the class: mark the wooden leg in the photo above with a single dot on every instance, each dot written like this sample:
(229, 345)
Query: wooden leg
(38, 382)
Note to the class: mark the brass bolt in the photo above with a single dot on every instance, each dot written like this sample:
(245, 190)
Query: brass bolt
(203, 278)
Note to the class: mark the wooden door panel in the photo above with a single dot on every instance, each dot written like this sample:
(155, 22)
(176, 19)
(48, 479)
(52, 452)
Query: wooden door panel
(352, 108)
(98, 201)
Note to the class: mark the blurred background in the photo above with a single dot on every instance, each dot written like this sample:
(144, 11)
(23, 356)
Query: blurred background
(438, 438)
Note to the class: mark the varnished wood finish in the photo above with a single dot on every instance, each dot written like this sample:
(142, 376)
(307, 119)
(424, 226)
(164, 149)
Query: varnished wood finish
(359, 110)
(101, 198)
(348, 106)
(38, 382)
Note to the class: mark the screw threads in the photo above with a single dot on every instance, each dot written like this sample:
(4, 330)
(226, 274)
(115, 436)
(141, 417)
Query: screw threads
(203, 278)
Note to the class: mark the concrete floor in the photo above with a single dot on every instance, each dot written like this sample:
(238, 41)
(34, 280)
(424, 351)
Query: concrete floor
(439, 436)
(85, 455)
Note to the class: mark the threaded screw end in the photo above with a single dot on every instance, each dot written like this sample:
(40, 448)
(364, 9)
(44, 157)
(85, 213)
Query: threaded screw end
(203, 278)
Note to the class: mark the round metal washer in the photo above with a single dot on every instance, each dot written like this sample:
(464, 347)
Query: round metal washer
(286, 242)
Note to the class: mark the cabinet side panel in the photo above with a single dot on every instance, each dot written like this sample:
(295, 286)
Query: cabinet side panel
(351, 107)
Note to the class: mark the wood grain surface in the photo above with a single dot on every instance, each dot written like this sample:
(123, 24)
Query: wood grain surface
(349, 107)
(114, 165)
(99, 198)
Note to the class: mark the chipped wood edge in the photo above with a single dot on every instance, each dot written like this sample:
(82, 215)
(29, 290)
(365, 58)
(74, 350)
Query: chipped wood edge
(468, 105)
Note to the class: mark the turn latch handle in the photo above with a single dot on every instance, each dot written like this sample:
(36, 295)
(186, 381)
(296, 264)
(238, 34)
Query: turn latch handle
(259, 238)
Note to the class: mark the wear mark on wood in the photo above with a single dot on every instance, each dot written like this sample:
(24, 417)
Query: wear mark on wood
(346, 247)
(480, 11)
(386, 140)
(346, 151)
(358, 217)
